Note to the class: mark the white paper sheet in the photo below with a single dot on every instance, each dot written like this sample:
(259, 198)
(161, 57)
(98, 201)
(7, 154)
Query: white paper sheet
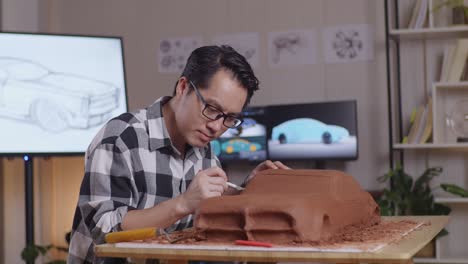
(174, 52)
(246, 44)
(348, 43)
(292, 47)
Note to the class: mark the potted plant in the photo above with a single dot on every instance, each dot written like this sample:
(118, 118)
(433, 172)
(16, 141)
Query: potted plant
(408, 196)
(31, 252)
(459, 10)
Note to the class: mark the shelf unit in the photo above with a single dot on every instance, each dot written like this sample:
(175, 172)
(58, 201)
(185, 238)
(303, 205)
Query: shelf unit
(440, 260)
(433, 146)
(451, 200)
(428, 33)
(396, 38)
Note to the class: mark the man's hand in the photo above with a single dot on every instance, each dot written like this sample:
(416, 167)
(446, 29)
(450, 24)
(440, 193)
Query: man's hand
(267, 164)
(206, 184)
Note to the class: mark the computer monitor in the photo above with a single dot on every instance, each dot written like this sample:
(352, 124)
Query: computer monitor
(56, 91)
(313, 131)
(246, 142)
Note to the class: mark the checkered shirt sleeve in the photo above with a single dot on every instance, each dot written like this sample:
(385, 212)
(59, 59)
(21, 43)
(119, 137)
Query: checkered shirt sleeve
(122, 173)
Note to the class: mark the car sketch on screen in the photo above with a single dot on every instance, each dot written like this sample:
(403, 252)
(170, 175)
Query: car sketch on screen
(246, 142)
(237, 145)
(307, 137)
(55, 101)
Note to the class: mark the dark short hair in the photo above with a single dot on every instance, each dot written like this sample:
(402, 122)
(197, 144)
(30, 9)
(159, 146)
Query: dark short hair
(204, 62)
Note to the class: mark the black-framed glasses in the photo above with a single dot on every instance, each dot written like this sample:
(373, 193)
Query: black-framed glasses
(213, 113)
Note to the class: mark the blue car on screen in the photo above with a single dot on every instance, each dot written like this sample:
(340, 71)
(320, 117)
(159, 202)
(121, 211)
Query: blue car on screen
(249, 128)
(308, 130)
(216, 147)
(239, 145)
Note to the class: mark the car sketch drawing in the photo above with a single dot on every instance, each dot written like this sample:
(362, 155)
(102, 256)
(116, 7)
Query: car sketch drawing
(237, 145)
(173, 53)
(347, 44)
(55, 101)
(287, 43)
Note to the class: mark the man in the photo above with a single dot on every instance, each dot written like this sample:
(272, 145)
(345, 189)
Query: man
(153, 167)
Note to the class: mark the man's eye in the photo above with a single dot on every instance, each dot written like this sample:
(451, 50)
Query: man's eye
(231, 118)
(213, 110)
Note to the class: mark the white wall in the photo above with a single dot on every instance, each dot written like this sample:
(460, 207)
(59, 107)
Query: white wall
(144, 23)
(20, 15)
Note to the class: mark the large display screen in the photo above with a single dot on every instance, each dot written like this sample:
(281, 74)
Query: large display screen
(56, 91)
(313, 131)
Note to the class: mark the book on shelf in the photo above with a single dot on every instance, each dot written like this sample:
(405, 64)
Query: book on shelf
(420, 124)
(427, 129)
(419, 15)
(447, 59)
(454, 67)
(458, 63)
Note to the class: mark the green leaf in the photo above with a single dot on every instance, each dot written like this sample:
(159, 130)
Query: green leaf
(386, 211)
(43, 249)
(423, 181)
(385, 177)
(454, 189)
(29, 253)
(441, 209)
(448, 3)
(64, 249)
(442, 233)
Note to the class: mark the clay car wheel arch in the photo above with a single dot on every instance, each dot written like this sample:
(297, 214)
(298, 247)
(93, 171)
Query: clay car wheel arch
(49, 115)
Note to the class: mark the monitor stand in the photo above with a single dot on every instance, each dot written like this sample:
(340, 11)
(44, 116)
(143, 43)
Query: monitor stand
(29, 199)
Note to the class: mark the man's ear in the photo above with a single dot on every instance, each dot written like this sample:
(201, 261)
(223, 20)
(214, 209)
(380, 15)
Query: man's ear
(182, 86)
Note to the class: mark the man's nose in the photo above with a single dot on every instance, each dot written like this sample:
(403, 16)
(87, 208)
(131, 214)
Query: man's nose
(216, 125)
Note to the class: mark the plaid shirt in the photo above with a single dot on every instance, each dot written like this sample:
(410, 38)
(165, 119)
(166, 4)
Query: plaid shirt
(131, 164)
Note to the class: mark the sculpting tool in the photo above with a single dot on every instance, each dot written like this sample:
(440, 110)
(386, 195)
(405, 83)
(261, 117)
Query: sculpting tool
(130, 235)
(172, 239)
(232, 185)
(253, 243)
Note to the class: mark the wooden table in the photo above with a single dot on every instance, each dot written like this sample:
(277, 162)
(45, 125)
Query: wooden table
(401, 252)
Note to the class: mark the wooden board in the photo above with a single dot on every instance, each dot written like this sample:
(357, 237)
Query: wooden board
(400, 252)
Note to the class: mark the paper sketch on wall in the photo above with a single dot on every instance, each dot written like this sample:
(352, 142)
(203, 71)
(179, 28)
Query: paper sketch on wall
(54, 101)
(348, 43)
(246, 44)
(292, 47)
(174, 52)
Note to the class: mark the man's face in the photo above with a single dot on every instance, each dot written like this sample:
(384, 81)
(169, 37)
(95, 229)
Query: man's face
(224, 92)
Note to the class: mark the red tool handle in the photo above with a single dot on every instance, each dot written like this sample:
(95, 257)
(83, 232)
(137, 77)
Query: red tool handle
(253, 243)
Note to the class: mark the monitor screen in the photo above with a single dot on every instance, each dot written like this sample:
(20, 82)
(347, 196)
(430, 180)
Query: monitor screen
(314, 131)
(246, 142)
(56, 91)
